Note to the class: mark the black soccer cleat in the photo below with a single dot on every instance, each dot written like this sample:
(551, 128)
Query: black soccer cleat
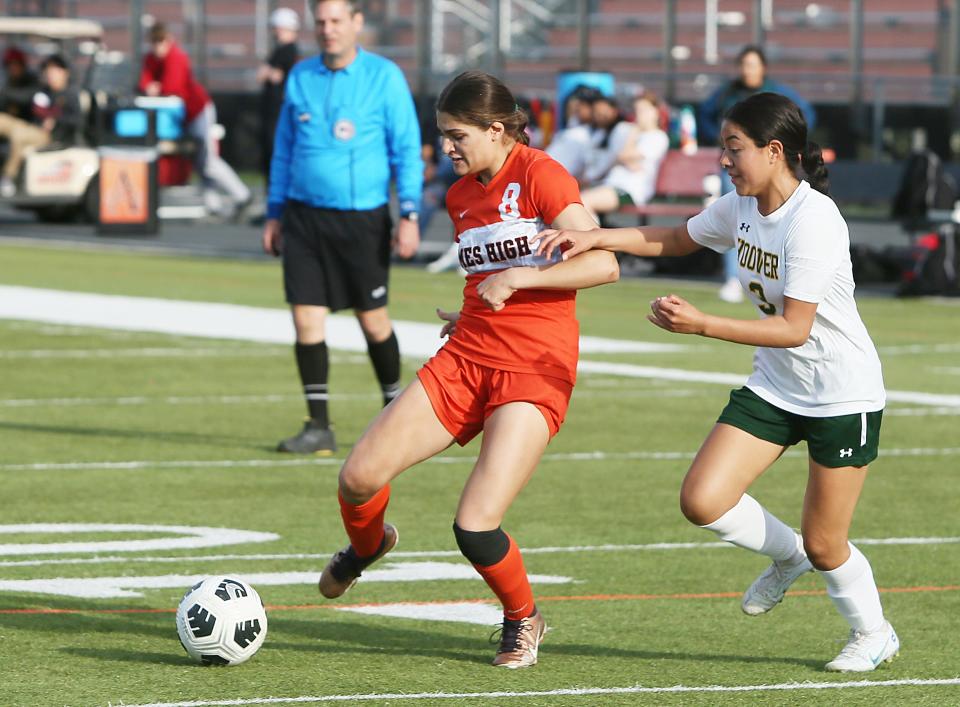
(312, 439)
(345, 567)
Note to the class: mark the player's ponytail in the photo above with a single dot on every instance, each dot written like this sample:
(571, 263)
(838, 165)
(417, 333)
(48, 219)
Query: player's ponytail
(766, 117)
(479, 99)
(811, 159)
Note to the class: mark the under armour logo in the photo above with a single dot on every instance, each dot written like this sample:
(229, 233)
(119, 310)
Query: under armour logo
(745, 227)
(848, 452)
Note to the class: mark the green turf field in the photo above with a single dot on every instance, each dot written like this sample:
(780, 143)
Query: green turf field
(102, 426)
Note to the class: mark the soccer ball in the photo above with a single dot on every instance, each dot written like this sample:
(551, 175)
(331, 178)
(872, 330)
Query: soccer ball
(221, 621)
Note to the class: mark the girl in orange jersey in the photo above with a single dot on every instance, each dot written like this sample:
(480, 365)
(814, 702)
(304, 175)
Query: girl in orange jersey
(508, 366)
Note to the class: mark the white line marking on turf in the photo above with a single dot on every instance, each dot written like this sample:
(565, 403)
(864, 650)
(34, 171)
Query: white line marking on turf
(921, 412)
(229, 321)
(911, 349)
(248, 399)
(423, 554)
(462, 612)
(116, 587)
(196, 537)
(571, 692)
(172, 400)
(598, 456)
(737, 380)
(146, 352)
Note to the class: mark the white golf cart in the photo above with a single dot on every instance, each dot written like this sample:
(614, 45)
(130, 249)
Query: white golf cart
(59, 182)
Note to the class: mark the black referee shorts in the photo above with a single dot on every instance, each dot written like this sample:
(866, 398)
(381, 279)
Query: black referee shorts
(336, 259)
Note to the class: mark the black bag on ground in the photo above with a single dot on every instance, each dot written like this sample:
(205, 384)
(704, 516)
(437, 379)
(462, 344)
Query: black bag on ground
(934, 261)
(925, 185)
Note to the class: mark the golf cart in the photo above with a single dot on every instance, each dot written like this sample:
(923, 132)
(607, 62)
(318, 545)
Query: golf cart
(58, 182)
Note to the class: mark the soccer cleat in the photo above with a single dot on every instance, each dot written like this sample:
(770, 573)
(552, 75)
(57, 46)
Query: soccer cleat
(865, 651)
(312, 439)
(731, 291)
(345, 567)
(520, 641)
(450, 260)
(7, 188)
(768, 589)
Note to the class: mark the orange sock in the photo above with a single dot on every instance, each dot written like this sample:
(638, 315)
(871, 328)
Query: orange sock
(364, 523)
(508, 580)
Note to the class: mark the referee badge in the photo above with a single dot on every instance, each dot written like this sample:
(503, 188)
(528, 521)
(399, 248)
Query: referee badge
(344, 130)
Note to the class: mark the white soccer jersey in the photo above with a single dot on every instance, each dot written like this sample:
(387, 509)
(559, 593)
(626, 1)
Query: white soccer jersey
(801, 251)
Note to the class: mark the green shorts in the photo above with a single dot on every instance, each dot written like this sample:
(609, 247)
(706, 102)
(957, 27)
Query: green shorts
(844, 440)
(623, 198)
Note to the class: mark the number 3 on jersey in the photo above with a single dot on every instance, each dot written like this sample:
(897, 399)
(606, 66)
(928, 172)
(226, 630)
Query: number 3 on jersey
(509, 209)
(767, 308)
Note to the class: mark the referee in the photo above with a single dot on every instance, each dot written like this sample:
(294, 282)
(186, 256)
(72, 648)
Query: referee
(347, 126)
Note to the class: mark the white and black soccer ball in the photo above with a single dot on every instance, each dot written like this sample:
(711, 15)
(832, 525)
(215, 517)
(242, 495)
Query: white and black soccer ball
(221, 621)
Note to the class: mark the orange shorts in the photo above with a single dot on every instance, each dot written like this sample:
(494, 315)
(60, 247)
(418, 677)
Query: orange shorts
(464, 394)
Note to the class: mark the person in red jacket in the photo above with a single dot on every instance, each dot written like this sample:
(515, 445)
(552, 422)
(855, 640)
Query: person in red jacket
(166, 72)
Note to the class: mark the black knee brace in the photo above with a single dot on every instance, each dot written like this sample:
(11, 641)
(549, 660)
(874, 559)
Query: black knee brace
(482, 547)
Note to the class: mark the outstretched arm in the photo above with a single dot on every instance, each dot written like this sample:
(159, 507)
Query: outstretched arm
(647, 242)
(588, 270)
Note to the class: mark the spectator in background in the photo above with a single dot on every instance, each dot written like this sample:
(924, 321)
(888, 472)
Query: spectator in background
(751, 78)
(272, 75)
(166, 72)
(608, 135)
(17, 94)
(56, 114)
(348, 127)
(640, 148)
(571, 146)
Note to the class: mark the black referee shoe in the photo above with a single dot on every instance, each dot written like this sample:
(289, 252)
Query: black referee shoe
(312, 439)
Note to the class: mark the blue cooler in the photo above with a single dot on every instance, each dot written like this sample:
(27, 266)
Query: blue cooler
(133, 122)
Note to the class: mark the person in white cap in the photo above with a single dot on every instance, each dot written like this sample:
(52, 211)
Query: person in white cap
(272, 76)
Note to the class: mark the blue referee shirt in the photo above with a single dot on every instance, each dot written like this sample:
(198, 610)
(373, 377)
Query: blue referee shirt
(343, 134)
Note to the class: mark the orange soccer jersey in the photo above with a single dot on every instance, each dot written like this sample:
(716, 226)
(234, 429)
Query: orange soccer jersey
(537, 330)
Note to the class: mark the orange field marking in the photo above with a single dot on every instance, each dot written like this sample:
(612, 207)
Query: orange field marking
(487, 600)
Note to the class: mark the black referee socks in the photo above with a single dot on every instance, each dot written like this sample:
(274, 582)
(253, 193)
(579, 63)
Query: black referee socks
(385, 357)
(313, 362)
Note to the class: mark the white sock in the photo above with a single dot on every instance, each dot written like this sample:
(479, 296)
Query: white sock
(751, 526)
(853, 591)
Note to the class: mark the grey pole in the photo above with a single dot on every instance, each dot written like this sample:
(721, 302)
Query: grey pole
(758, 33)
(200, 39)
(583, 34)
(496, 56)
(952, 69)
(856, 64)
(669, 40)
(423, 41)
(136, 39)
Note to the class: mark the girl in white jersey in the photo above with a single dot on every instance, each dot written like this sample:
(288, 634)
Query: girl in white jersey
(816, 372)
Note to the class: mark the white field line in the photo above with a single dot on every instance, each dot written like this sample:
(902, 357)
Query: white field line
(921, 412)
(265, 325)
(913, 349)
(568, 692)
(230, 321)
(736, 380)
(598, 456)
(145, 352)
(426, 554)
(167, 352)
(254, 399)
(171, 400)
